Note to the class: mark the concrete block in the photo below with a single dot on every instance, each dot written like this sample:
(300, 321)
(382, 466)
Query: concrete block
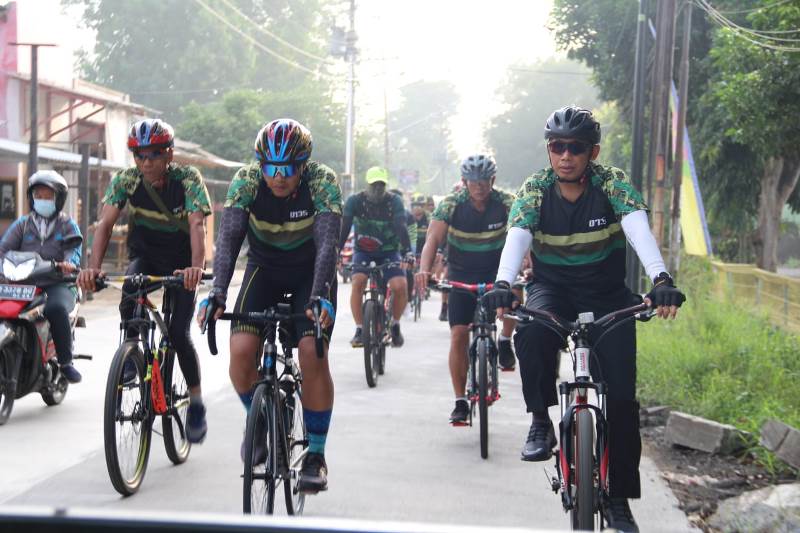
(704, 435)
(789, 450)
(772, 434)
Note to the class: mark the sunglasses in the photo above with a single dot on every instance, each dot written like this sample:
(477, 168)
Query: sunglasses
(287, 171)
(152, 156)
(575, 148)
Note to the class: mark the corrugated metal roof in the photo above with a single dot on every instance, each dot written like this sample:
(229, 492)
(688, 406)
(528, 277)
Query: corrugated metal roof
(18, 151)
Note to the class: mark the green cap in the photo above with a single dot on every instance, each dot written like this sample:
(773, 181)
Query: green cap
(376, 174)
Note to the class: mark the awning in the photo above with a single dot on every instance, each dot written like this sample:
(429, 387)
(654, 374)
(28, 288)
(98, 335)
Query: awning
(16, 151)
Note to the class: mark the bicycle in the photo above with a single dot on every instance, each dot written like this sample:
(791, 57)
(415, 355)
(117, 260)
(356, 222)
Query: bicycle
(144, 381)
(275, 434)
(378, 301)
(418, 296)
(582, 459)
(482, 370)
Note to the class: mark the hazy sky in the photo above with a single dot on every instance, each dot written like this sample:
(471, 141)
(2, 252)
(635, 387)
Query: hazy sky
(468, 42)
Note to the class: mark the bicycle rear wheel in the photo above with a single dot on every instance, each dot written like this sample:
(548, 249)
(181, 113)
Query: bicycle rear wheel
(174, 422)
(483, 395)
(372, 335)
(297, 443)
(259, 454)
(582, 513)
(127, 422)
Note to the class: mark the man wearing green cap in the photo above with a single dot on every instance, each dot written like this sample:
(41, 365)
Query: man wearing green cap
(381, 236)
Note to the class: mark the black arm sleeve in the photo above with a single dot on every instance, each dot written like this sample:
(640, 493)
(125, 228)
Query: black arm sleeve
(402, 231)
(347, 223)
(326, 231)
(232, 230)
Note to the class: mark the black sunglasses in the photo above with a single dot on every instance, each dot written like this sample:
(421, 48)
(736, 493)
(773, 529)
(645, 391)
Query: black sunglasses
(575, 148)
(154, 155)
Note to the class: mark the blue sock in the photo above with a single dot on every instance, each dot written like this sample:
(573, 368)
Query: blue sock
(247, 399)
(317, 424)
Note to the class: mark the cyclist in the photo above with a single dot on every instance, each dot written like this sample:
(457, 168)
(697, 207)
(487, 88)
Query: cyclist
(576, 216)
(54, 236)
(289, 207)
(167, 205)
(473, 221)
(381, 235)
(418, 203)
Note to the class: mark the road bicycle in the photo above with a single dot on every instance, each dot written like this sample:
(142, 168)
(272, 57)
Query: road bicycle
(582, 459)
(482, 370)
(144, 381)
(275, 440)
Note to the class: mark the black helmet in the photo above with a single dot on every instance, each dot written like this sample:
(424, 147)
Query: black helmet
(478, 167)
(53, 180)
(572, 122)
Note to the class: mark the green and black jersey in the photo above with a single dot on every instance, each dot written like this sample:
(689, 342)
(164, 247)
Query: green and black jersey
(375, 223)
(280, 230)
(151, 234)
(580, 243)
(422, 231)
(475, 238)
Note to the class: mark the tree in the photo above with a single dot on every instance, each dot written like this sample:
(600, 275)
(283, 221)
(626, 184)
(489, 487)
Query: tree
(530, 94)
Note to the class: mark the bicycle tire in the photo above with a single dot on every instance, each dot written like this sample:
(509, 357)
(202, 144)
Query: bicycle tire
(417, 304)
(472, 381)
(173, 423)
(582, 512)
(483, 395)
(8, 378)
(494, 372)
(385, 319)
(372, 337)
(259, 418)
(297, 444)
(125, 479)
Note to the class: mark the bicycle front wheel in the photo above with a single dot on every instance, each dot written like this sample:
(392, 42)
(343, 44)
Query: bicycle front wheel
(583, 506)
(372, 335)
(297, 444)
(483, 395)
(259, 454)
(127, 423)
(174, 422)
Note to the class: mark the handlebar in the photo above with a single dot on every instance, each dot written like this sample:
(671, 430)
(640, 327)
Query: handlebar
(641, 312)
(372, 266)
(447, 286)
(141, 280)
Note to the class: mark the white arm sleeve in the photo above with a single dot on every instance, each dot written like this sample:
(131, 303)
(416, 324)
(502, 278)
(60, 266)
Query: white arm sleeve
(637, 231)
(518, 241)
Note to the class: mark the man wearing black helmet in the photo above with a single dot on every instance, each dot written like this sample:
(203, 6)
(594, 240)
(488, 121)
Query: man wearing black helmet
(575, 217)
(472, 221)
(167, 205)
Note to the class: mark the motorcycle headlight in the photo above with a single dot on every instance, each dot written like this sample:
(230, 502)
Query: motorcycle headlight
(18, 272)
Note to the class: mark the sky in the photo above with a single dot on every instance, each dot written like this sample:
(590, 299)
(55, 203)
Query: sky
(468, 42)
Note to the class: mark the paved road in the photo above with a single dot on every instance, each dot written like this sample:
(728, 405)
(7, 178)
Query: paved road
(391, 453)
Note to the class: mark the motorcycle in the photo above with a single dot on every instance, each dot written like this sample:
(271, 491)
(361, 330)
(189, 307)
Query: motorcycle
(27, 353)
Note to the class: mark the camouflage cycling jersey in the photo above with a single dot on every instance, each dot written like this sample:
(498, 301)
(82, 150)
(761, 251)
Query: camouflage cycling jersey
(374, 223)
(280, 230)
(577, 243)
(151, 234)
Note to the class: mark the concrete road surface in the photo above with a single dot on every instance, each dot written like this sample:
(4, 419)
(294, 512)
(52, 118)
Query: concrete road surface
(391, 453)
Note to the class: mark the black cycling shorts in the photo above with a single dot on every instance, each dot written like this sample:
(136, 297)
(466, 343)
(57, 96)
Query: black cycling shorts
(263, 288)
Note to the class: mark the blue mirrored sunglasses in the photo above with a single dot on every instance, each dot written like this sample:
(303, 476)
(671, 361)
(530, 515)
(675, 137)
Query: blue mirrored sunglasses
(270, 170)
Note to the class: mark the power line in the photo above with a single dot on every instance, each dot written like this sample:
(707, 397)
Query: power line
(755, 9)
(747, 34)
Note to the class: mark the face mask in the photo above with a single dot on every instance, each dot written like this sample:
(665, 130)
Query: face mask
(46, 208)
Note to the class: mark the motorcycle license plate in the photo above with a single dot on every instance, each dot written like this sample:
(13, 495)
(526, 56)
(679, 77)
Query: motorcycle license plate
(17, 292)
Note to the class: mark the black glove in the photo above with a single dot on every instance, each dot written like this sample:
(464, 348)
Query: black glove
(409, 257)
(664, 292)
(208, 306)
(499, 296)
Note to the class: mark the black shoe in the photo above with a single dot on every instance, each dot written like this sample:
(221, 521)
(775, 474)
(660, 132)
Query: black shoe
(397, 337)
(460, 414)
(443, 313)
(540, 443)
(507, 359)
(196, 426)
(71, 373)
(313, 474)
(260, 453)
(618, 516)
(357, 341)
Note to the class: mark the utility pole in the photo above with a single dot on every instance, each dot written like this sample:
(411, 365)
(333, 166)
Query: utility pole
(677, 169)
(350, 57)
(385, 130)
(33, 145)
(633, 265)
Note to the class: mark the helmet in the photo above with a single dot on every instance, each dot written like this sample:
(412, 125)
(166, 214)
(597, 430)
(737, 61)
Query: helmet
(283, 141)
(150, 133)
(478, 167)
(572, 122)
(376, 174)
(418, 199)
(53, 180)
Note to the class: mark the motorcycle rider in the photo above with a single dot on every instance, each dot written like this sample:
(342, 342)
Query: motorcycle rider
(54, 236)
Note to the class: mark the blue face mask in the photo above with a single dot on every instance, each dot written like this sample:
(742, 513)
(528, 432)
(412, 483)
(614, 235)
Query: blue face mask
(46, 208)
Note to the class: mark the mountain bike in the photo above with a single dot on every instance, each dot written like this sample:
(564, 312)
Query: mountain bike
(144, 381)
(482, 371)
(582, 459)
(275, 440)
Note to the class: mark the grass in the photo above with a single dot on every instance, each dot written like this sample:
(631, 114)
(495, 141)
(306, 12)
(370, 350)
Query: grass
(719, 360)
